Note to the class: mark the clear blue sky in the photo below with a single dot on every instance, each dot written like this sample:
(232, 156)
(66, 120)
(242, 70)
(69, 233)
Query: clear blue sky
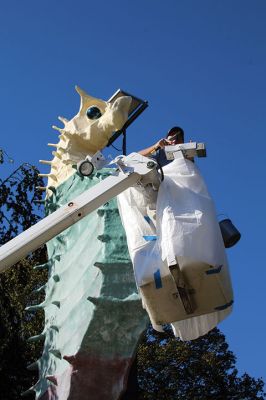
(200, 64)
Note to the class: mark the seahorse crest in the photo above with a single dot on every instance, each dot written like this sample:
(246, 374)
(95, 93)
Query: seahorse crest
(86, 133)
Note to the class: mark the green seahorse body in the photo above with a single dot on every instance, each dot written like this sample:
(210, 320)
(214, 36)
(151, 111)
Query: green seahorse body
(93, 313)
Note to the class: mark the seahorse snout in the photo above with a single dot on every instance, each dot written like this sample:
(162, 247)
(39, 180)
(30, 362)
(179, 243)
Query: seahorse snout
(119, 110)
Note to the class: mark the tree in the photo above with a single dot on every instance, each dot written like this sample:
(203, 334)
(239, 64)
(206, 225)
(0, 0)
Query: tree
(18, 197)
(17, 213)
(203, 369)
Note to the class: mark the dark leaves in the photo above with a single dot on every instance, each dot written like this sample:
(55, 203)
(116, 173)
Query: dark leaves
(17, 195)
(17, 213)
(203, 369)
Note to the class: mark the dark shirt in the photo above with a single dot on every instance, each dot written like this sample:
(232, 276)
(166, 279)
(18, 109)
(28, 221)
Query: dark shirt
(160, 157)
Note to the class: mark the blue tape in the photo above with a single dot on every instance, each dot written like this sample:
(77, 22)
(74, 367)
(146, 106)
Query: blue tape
(224, 306)
(214, 270)
(150, 237)
(157, 279)
(147, 218)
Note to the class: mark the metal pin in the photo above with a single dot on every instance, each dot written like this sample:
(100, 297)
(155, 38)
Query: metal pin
(63, 119)
(56, 154)
(57, 129)
(46, 162)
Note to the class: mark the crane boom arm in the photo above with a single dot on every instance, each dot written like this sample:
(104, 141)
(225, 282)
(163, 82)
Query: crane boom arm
(132, 169)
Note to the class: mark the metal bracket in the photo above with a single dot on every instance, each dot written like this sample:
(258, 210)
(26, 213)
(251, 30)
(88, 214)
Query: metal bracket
(191, 149)
(97, 161)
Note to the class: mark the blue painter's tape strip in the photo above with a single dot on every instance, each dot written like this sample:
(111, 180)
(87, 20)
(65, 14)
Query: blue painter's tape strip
(214, 270)
(147, 218)
(224, 306)
(150, 237)
(157, 279)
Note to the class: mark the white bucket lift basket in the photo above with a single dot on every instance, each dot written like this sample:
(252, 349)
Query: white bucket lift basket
(178, 252)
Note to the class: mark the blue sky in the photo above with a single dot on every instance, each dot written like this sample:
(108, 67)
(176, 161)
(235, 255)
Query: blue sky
(200, 65)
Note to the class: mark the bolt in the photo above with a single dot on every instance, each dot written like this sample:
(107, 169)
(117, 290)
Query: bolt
(70, 204)
(150, 164)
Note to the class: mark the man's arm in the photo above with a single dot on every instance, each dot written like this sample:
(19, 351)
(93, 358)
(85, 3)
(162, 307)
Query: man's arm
(158, 145)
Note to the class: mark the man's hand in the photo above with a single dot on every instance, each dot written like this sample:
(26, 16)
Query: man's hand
(158, 145)
(161, 144)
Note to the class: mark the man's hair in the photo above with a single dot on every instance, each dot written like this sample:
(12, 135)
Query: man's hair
(176, 130)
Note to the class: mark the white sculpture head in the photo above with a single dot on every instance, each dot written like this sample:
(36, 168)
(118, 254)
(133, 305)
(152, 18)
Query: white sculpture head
(86, 133)
(97, 120)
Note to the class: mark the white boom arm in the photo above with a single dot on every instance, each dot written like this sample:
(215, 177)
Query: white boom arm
(131, 169)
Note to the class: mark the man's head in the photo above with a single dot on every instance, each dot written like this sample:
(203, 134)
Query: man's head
(175, 135)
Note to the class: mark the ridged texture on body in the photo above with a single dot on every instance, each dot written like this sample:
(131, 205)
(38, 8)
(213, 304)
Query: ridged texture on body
(93, 314)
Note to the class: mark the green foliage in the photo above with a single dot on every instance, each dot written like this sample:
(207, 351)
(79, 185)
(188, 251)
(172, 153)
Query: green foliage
(203, 369)
(17, 213)
(17, 196)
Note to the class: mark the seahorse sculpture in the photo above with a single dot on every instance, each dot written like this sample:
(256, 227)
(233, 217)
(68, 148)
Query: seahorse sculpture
(93, 313)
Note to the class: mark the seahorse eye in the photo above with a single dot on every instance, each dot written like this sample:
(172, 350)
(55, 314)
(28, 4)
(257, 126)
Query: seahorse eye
(93, 112)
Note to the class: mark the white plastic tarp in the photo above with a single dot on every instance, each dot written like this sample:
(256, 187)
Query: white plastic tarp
(179, 226)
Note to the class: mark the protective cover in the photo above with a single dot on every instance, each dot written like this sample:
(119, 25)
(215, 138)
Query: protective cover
(177, 251)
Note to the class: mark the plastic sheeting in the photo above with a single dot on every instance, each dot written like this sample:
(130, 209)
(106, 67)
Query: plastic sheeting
(177, 251)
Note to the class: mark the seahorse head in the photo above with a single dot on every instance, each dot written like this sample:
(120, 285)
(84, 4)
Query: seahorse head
(85, 134)
(97, 120)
